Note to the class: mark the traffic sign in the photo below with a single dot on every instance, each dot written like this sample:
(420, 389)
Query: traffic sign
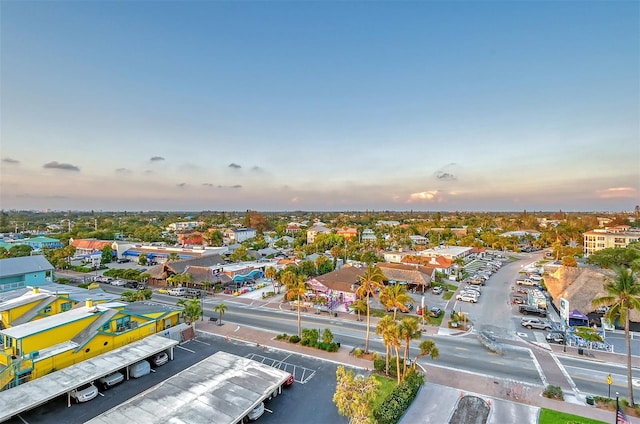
(609, 380)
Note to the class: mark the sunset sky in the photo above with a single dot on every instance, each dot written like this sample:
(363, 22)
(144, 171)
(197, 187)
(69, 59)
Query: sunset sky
(327, 106)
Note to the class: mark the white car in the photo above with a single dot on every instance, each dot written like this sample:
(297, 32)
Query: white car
(467, 298)
(472, 289)
(84, 393)
(119, 283)
(256, 412)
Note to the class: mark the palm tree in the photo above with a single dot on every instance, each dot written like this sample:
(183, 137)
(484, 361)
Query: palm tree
(173, 256)
(360, 307)
(388, 329)
(296, 289)
(271, 273)
(427, 347)
(220, 309)
(192, 309)
(409, 329)
(370, 282)
(395, 297)
(459, 263)
(623, 296)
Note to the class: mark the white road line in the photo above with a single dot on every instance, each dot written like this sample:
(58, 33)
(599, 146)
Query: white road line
(538, 368)
(184, 348)
(566, 374)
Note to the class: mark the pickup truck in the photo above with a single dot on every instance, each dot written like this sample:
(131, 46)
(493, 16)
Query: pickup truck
(526, 282)
(532, 310)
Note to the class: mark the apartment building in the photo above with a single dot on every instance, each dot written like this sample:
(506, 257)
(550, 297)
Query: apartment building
(609, 237)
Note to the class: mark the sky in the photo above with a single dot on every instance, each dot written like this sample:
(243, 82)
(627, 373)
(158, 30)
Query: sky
(320, 105)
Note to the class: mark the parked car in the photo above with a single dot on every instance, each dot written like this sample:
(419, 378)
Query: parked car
(123, 260)
(159, 359)
(535, 323)
(519, 300)
(84, 393)
(467, 298)
(437, 290)
(532, 310)
(119, 283)
(408, 307)
(256, 412)
(131, 284)
(139, 369)
(555, 337)
(470, 293)
(435, 312)
(289, 382)
(111, 380)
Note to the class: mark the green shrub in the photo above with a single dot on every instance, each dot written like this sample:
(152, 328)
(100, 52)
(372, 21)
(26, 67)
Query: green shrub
(310, 336)
(294, 339)
(357, 352)
(379, 365)
(395, 405)
(282, 336)
(553, 392)
(327, 336)
(333, 347)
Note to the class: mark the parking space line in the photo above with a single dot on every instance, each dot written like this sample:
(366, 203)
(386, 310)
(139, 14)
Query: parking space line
(306, 374)
(184, 348)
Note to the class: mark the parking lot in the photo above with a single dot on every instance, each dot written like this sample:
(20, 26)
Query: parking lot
(308, 400)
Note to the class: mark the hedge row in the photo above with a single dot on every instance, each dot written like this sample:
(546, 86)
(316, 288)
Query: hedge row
(399, 400)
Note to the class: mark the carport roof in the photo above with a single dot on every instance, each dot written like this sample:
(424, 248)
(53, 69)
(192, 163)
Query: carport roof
(41, 390)
(222, 388)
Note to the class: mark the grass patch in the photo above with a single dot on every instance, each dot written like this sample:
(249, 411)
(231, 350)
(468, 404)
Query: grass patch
(448, 295)
(386, 387)
(436, 321)
(450, 287)
(548, 416)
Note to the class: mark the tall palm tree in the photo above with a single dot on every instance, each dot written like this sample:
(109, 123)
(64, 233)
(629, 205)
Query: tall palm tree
(296, 289)
(271, 273)
(387, 328)
(395, 297)
(220, 308)
(409, 329)
(370, 282)
(623, 296)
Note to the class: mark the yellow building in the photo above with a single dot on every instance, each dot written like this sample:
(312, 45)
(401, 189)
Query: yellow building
(40, 346)
(41, 302)
(610, 237)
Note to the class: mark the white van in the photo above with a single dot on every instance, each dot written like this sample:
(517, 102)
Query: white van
(139, 369)
(177, 291)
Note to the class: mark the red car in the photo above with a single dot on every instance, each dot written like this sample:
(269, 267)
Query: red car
(289, 381)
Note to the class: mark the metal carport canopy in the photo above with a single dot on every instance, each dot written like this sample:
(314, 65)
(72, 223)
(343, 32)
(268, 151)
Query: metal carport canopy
(41, 390)
(220, 389)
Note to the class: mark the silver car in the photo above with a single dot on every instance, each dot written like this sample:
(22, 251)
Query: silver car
(538, 323)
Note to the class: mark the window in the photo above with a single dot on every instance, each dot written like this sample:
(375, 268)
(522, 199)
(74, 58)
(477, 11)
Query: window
(66, 306)
(106, 326)
(46, 310)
